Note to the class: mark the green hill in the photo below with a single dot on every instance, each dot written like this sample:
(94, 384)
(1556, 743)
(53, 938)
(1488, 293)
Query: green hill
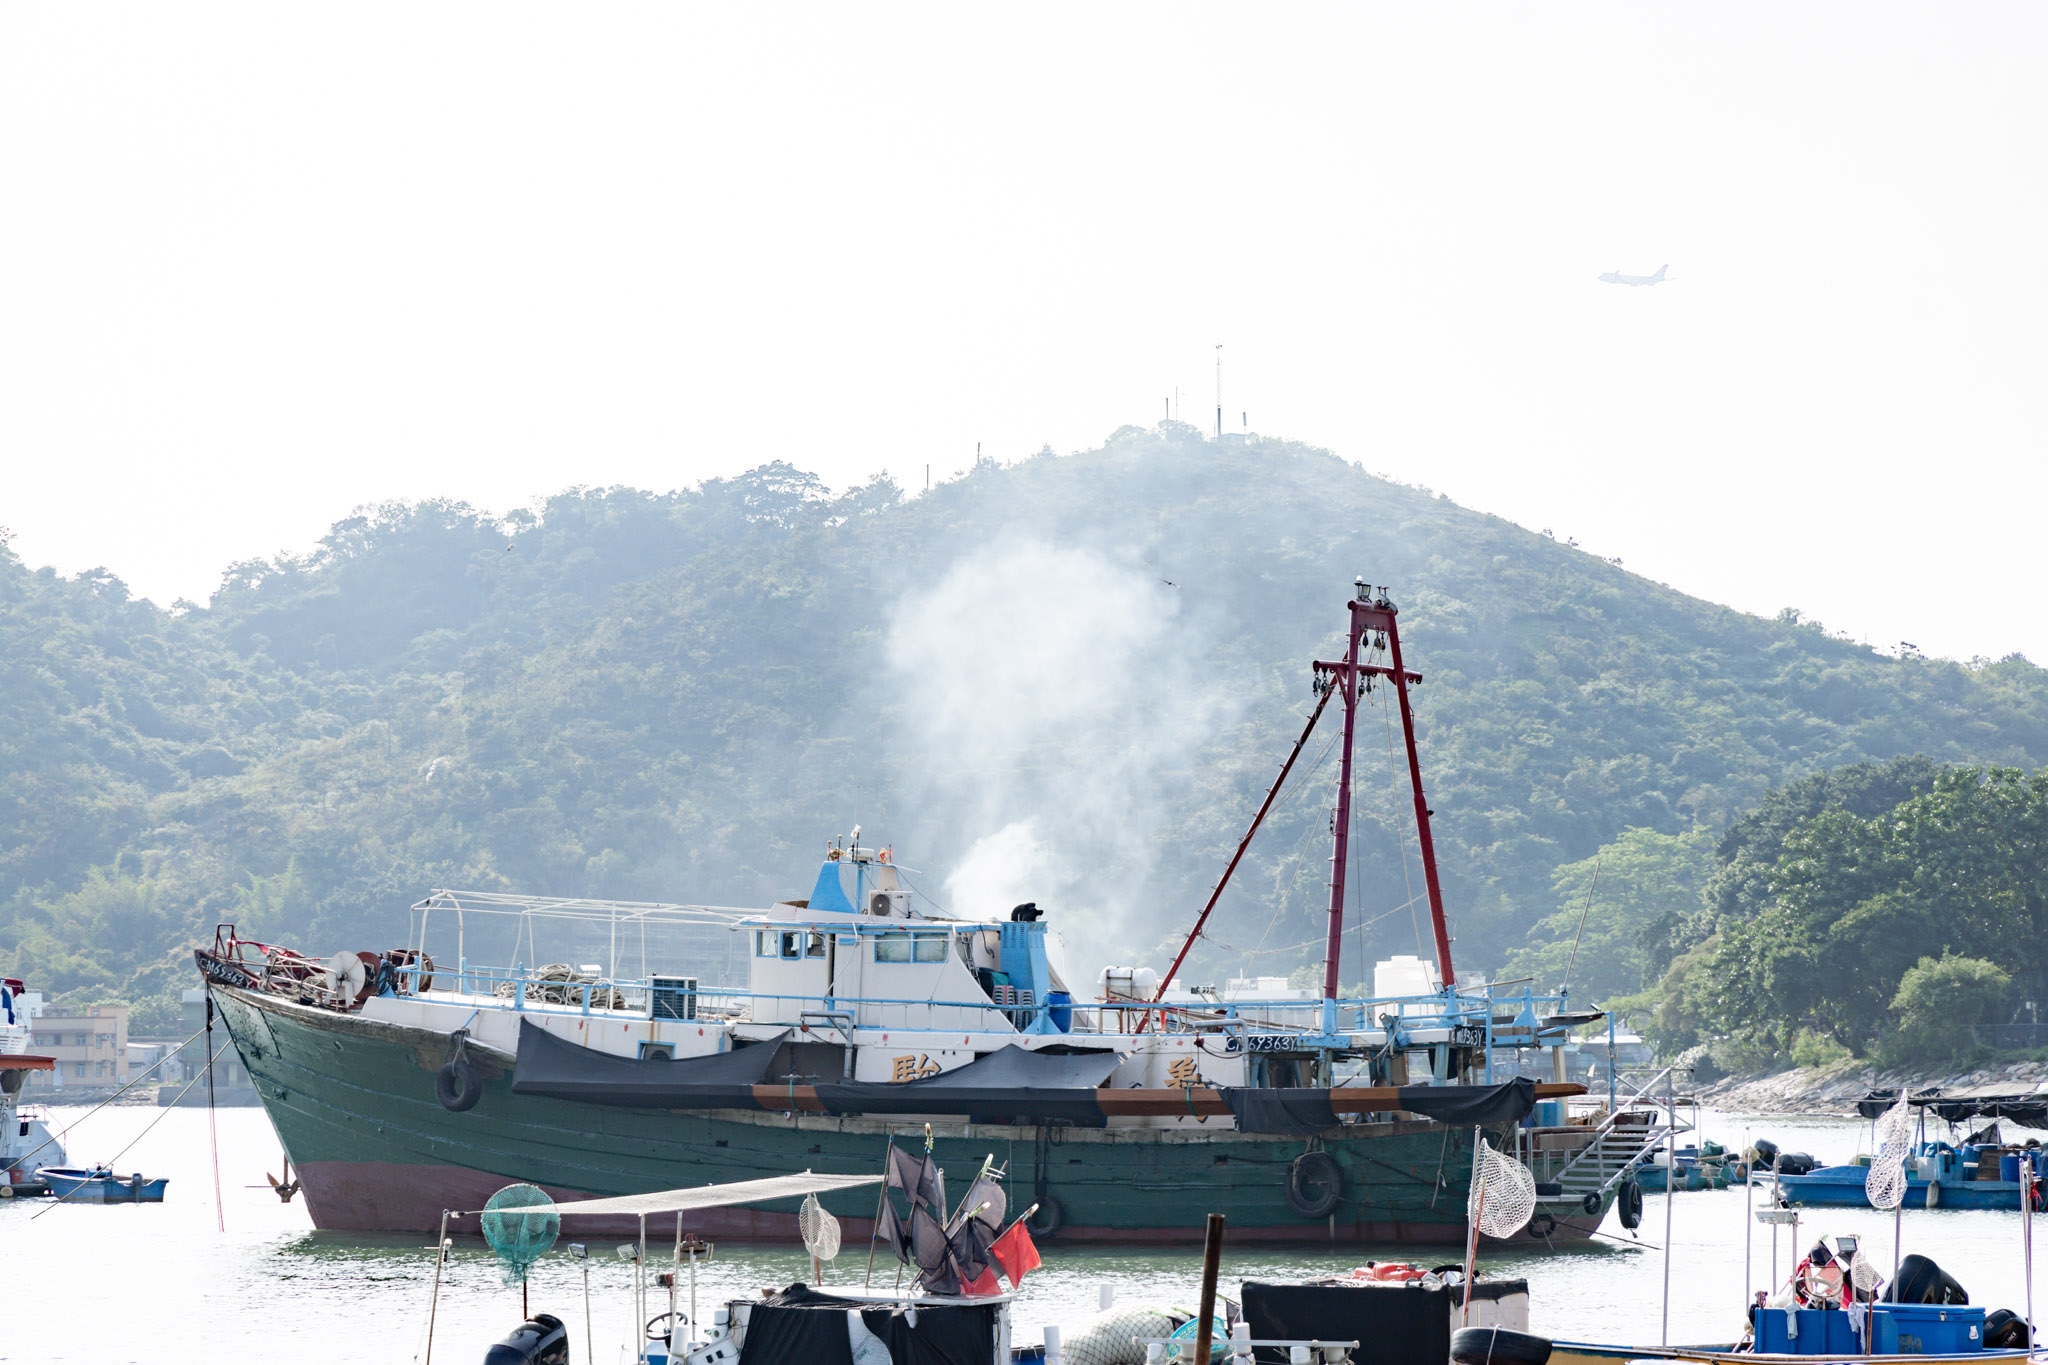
(1067, 680)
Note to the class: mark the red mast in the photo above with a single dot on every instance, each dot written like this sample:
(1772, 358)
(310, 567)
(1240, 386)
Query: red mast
(1376, 615)
(1373, 619)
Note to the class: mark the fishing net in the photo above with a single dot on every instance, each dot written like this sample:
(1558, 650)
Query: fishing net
(1885, 1185)
(520, 1223)
(820, 1229)
(1503, 1194)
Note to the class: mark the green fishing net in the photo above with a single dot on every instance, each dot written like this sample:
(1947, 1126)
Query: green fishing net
(520, 1223)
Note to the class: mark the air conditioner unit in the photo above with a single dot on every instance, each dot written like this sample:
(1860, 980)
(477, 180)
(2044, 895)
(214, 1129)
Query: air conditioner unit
(674, 997)
(889, 905)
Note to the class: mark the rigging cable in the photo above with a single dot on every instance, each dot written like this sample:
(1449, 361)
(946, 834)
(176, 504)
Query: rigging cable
(1296, 856)
(220, 1213)
(108, 1164)
(135, 1081)
(1393, 775)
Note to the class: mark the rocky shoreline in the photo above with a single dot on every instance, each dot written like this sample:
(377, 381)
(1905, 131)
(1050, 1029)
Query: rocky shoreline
(1835, 1089)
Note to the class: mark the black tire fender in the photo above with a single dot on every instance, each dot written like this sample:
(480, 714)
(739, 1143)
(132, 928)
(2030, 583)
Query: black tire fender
(12, 1079)
(1591, 1203)
(1047, 1219)
(1542, 1225)
(1498, 1346)
(457, 1086)
(1629, 1199)
(1315, 1184)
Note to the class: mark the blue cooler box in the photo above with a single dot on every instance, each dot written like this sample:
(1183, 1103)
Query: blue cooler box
(1935, 1329)
(1822, 1332)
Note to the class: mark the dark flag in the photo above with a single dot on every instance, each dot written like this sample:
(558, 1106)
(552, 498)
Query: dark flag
(970, 1248)
(917, 1177)
(987, 1191)
(889, 1231)
(933, 1257)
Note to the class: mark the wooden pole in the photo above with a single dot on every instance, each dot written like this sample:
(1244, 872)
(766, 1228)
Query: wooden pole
(1212, 1256)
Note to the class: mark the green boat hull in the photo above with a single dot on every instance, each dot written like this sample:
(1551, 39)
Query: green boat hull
(353, 1102)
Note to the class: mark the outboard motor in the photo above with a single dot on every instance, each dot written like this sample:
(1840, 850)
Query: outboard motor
(540, 1340)
(1922, 1281)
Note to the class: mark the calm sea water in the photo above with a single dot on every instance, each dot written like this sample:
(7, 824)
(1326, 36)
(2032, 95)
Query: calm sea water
(166, 1285)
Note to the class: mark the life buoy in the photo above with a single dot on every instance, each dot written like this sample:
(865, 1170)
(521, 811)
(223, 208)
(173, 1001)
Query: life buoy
(457, 1086)
(1047, 1219)
(1315, 1184)
(1629, 1198)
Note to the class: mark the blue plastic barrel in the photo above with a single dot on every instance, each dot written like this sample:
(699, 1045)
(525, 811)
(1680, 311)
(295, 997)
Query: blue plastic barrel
(2009, 1167)
(1060, 1005)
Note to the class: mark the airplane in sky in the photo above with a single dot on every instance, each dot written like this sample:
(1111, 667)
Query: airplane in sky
(1616, 277)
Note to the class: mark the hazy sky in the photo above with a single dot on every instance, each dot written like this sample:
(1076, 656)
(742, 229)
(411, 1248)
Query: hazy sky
(260, 264)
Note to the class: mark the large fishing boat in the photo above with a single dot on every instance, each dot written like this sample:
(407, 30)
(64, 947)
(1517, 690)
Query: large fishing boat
(602, 1049)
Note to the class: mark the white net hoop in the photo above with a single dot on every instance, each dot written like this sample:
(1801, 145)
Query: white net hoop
(1885, 1185)
(820, 1229)
(1503, 1196)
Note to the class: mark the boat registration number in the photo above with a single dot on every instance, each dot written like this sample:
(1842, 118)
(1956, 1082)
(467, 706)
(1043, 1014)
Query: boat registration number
(1263, 1042)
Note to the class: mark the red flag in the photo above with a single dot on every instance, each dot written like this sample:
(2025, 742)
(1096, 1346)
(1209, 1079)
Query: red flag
(1015, 1252)
(986, 1284)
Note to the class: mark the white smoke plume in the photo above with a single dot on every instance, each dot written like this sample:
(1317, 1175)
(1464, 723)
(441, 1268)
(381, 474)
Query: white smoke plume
(1051, 701)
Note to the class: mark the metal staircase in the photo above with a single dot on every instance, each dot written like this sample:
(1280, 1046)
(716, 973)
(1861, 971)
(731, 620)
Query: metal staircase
(1617, 1149)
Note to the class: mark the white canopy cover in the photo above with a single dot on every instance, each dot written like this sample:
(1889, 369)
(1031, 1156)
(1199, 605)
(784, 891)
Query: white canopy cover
(710, 1196)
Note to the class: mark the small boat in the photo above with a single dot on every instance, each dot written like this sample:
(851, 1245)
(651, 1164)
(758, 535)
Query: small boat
(78, 1185)
(1978, 1172)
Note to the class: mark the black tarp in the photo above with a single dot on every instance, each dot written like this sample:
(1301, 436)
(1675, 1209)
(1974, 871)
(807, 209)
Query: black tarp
(1009, 1085)
(1398, 1324)
(1295, 1112)
(2027, 1109)
(1470, 1105)
(562, 1070)
(801, 1326)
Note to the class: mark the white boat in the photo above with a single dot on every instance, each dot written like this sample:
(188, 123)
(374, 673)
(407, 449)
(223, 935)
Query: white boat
(26, 1142)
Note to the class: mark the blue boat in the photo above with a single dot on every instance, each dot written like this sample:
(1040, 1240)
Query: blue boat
(1942, 1175)
(77, 1185)
(1938, 1175)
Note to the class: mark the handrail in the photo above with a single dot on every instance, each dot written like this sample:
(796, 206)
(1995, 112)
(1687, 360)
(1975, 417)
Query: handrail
(1668, 1125)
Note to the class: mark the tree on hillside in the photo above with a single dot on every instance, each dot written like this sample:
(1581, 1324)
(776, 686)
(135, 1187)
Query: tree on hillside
(1623, 895)
(1939, 1004)
(1857, 903)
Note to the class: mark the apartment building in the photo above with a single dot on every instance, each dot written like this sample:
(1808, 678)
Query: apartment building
(90, 1047)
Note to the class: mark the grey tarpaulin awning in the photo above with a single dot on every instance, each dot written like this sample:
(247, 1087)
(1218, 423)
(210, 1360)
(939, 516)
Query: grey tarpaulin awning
(1470, 1105)
(1305, 1111)
(562, 1070)
(707, 1196)
(2028, 1109)
(1003, 1086)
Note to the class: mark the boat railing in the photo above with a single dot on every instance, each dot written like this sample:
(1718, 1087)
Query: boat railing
(524, 988)
(1616, 1148)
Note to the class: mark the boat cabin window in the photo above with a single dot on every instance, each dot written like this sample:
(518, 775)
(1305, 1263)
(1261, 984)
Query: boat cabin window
(791, 945)
(902, 946)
